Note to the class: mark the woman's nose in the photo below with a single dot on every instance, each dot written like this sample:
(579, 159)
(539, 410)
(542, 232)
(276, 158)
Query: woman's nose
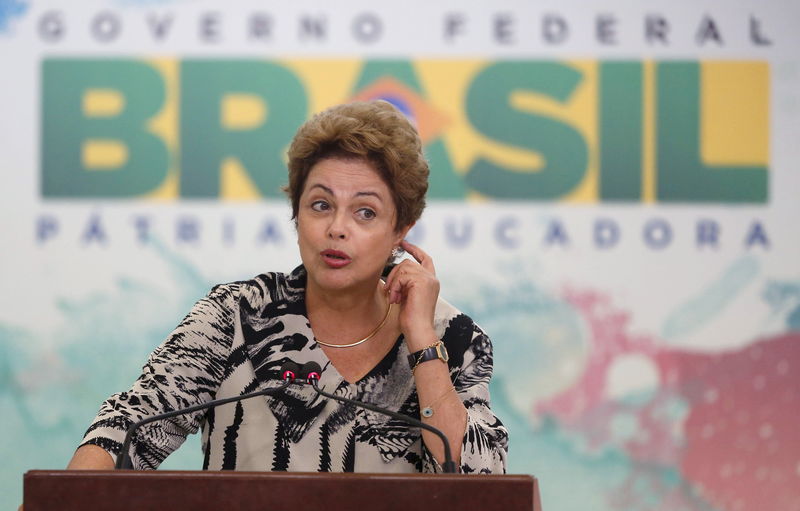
(337, 230)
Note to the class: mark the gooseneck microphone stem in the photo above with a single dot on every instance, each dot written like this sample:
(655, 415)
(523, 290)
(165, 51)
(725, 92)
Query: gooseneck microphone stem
(124, 461)
(289, 370)
(448, 466)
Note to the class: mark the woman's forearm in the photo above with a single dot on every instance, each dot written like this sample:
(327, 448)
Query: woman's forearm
(91, 457)
(436, 392)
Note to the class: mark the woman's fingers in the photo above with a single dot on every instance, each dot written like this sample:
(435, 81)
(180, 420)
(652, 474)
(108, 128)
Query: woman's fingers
(394, 281)
(414, 286)
(390, 279)
(400, 276)
(407, 272)
(420, 255)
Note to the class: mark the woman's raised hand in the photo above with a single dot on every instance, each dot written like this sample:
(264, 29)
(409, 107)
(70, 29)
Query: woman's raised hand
(415, 287)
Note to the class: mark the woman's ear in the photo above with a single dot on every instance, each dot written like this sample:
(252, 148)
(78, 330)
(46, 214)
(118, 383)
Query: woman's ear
(402, 233)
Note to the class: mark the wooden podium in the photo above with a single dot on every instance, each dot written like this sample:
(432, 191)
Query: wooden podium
(123, 490)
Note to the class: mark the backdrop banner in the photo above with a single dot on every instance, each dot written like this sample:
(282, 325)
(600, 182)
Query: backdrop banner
(614, 199)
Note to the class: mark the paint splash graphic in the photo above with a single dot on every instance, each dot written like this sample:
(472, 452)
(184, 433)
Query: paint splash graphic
(607, 419)
(10, 9)
(612, 420)
(721, 419)
(51, 388)
(703, 308)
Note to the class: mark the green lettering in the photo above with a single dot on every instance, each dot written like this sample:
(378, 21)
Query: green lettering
(682, 177)
(562, 147)
(66, 128)
(620, 131)
(205, 142)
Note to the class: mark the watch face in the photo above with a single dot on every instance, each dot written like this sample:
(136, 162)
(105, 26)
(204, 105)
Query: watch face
(442, 352)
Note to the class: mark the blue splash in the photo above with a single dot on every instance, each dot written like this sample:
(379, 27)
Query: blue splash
(783, 298)
(573, 479)
(702, 308)
(49, 395)
(10, 9)
(545, 452)
(534, 334)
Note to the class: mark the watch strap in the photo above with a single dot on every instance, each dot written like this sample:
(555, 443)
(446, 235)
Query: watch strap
(436, 351)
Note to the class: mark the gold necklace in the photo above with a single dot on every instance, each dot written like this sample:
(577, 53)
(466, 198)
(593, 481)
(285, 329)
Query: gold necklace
(365, 339)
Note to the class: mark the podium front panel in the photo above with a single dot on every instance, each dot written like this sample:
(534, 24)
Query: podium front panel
(68, 490)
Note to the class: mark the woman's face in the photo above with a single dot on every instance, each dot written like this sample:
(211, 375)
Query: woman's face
(346, 225)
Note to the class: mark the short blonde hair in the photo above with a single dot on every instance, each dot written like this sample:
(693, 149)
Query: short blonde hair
(374, 131)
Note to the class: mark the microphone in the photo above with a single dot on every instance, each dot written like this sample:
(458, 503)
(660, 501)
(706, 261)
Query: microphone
(289, 371)
(310, 374)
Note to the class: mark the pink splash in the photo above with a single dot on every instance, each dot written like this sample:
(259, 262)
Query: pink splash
(739, 443)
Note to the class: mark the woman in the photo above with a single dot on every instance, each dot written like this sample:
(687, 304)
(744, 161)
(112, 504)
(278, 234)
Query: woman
(357, 183)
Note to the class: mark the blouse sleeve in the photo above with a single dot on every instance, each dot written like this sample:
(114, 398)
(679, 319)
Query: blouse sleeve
(484, 449)
(186, 369)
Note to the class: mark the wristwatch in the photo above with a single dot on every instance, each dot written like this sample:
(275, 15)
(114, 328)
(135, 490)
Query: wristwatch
(437, 351)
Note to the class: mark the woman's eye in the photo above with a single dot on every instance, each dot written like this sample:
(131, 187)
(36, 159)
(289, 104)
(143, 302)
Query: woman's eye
(366, 213)
(319, 205)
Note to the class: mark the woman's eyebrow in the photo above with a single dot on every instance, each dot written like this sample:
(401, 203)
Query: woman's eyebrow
(369, 194)
(357, 194)
(323, 187)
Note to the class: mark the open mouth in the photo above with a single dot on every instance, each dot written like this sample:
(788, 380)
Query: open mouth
(335, 258)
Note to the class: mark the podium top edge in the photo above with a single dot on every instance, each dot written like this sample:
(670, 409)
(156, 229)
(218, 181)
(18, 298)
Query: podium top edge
(181, 474)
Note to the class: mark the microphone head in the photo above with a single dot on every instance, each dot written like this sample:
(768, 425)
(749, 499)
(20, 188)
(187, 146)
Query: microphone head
(310, 371)
(289, 371)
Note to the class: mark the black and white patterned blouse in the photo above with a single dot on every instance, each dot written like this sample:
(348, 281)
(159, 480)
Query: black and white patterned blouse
(235, 340)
